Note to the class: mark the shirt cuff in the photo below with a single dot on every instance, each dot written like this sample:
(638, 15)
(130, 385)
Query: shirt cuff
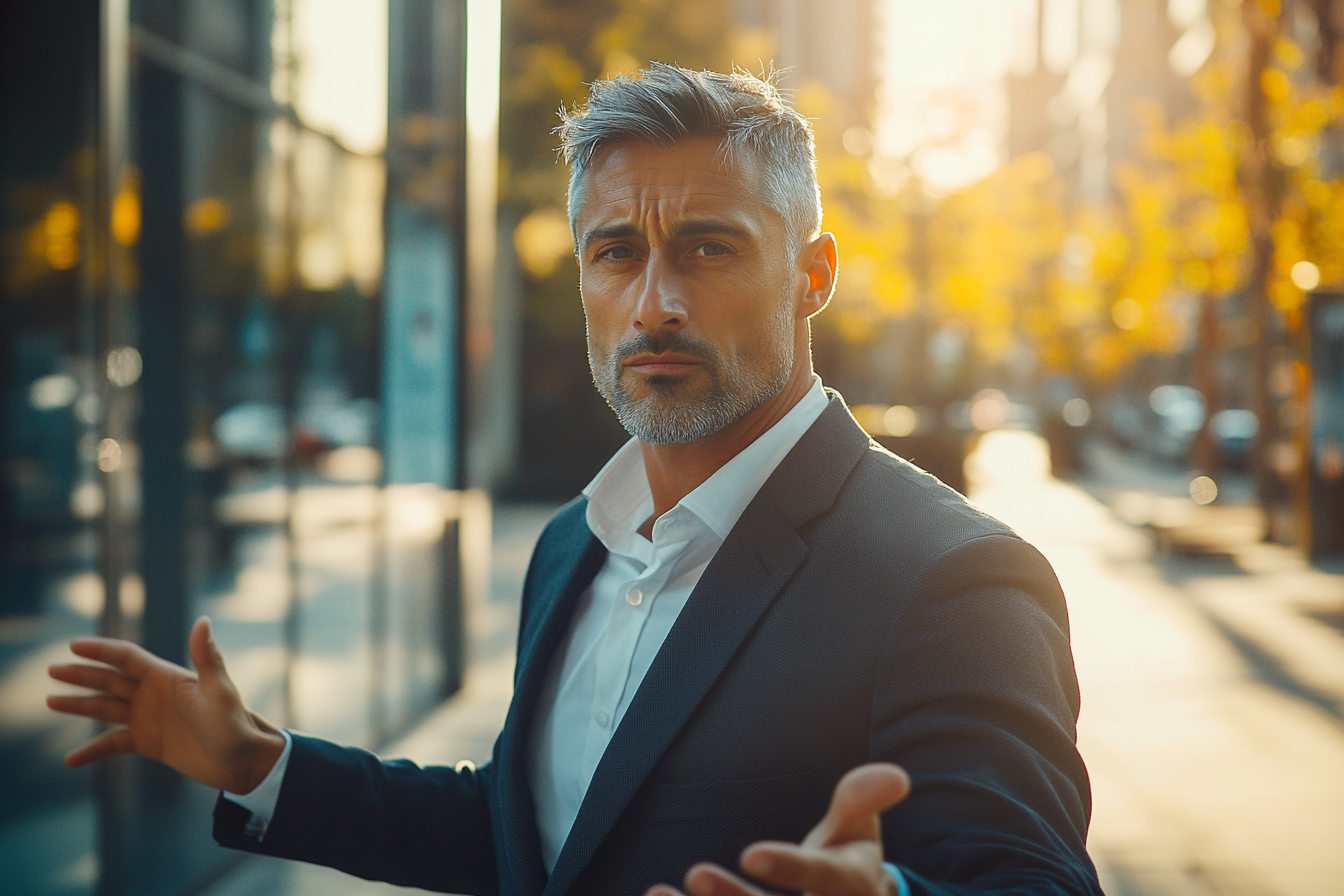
(902, 887)
(261, 800)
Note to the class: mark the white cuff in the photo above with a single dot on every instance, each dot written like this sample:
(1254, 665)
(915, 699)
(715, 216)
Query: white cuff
(261, 800)
(902, 886)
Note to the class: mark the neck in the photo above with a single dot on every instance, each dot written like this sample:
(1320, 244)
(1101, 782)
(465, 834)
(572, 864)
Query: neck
(675, 471)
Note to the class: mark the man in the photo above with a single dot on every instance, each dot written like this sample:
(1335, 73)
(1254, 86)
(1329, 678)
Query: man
(749, 618)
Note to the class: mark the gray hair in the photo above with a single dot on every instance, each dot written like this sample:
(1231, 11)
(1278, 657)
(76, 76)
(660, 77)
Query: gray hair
(666, 103)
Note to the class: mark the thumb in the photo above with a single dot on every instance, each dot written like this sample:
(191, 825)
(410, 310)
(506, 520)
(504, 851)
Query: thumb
(205, 655)
(862, 795)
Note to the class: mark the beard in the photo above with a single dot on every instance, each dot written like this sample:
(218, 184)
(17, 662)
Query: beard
(673, 412)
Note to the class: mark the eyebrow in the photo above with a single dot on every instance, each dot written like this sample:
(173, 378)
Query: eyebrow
(693, 227)
(609, 232)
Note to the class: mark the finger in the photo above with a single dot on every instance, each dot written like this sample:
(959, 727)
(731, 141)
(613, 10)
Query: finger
(205, 655)
(706, 879)
(101, 708)
(852, 869)
(99, 678)
(860, 797)
(132, 659)
(109, 743)
(663, 890)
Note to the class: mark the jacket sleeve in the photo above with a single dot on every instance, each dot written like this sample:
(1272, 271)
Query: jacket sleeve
(977, 698)
(381, 820)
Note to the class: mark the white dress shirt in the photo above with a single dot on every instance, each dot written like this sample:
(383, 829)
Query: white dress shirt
(622, 618)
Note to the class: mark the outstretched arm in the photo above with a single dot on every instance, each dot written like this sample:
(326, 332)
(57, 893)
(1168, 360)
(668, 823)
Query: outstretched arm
(193, 722)
(841, 856)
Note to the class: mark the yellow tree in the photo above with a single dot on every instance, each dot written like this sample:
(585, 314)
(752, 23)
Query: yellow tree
(871, 227)
(1074, 326)
(991, 244)
(1295, 114)
(1191, 232)
(1308, 233)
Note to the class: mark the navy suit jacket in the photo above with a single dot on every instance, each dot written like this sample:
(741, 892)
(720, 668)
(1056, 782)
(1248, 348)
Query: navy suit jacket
(858, 611)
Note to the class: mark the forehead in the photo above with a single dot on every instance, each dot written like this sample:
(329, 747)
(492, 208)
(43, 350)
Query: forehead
(635, 179)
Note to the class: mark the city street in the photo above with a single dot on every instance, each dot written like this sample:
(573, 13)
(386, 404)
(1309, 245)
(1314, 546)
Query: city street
(1213, 684)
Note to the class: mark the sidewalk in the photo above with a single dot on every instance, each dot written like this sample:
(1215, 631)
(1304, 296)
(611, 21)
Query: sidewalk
(1213, 690)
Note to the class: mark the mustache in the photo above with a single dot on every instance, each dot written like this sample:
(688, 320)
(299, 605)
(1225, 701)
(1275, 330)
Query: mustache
(663, 342)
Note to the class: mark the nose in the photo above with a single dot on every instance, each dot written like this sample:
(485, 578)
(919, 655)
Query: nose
(659, 303)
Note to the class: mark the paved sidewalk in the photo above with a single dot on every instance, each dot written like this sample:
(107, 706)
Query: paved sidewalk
(1213, 689)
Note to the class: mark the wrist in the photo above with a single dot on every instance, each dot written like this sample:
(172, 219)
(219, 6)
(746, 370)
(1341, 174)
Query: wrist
(894, 882)
(262, 752)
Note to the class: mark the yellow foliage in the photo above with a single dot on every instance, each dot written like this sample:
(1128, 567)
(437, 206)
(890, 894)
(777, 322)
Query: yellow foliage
(854, 326)
(1276, 85)
(1288, 54)
(206, 216)
(989, 246)
(1106, 355)
(1110, 244)
(1097, 287)
(543, 240)
(548, 70)
(126, 216)
(1309, 226)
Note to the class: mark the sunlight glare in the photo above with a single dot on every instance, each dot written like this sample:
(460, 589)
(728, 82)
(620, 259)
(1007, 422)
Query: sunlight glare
(1060, 36)
(926, 42)
(1007, 457)
(342, 47)
(942, 109)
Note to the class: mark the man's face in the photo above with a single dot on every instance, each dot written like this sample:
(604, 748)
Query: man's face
(690, 294)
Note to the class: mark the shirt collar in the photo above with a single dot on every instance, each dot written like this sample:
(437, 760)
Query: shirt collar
(619, 499)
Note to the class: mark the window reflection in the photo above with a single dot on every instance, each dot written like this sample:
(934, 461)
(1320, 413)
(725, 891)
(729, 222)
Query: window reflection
(205, 419)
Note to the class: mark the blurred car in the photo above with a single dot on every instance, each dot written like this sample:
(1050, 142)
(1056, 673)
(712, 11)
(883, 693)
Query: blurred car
(256, 430)
(1180, 413)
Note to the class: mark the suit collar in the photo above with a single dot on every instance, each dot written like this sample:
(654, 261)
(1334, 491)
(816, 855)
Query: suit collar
(808, 480)
(758, 558)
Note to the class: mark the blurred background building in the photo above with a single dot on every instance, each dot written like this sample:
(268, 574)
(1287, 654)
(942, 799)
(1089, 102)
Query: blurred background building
(288, 290)
(233, 384)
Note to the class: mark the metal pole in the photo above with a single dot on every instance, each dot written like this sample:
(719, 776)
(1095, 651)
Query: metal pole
(113, 786)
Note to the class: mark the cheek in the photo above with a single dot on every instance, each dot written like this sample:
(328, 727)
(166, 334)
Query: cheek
(598, 319)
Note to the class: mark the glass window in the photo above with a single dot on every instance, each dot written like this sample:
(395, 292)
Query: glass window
(214, 394)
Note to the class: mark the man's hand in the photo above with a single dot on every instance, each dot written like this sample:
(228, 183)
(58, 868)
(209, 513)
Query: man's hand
(841, 856)
(193, 722)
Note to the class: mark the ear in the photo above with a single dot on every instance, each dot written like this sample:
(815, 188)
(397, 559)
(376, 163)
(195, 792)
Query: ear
(820, 262)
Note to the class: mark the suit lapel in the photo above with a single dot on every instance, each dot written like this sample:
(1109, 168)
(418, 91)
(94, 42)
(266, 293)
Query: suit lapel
(755, 562)
(562, 571)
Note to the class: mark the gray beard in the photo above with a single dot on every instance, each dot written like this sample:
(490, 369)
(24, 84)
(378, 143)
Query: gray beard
(665, 416)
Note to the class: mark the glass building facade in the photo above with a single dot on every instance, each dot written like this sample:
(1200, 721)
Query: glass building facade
(230, 384)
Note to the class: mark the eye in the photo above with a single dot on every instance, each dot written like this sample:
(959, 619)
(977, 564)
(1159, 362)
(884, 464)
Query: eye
(617, 253)
(711, 250)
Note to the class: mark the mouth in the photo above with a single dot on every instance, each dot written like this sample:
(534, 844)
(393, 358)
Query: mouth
(665, 364)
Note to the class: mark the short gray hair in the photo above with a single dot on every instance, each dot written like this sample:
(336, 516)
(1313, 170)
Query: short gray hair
(665, 103)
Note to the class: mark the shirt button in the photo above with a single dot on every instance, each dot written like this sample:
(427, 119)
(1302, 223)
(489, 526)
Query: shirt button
(601, 718)
(635, 597)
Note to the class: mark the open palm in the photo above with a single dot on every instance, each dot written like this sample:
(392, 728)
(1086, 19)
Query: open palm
(193, 722)
(841, 856)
